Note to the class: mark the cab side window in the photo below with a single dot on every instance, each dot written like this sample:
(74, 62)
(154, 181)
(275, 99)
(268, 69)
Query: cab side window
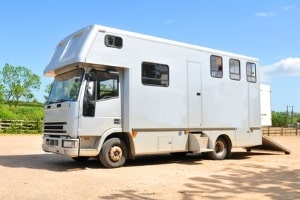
(107, 85)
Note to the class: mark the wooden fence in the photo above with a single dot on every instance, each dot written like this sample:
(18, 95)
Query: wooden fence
(280, 131)
(20, 126)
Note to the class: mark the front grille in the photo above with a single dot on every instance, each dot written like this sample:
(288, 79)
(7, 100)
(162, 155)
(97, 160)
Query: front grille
(55, 127)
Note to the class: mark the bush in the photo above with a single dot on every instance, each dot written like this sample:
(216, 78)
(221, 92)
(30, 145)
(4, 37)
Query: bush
(26, 118)
(21, 113)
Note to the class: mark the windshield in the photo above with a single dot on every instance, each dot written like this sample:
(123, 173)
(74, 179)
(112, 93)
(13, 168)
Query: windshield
(65, 87)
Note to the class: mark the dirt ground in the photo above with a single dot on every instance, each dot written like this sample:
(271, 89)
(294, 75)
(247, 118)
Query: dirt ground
(26, 172)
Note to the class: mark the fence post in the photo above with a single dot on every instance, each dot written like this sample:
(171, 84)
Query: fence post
(281, 131)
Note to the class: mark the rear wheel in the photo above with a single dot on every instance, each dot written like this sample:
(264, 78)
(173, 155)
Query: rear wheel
(221, 150)
(113, 153)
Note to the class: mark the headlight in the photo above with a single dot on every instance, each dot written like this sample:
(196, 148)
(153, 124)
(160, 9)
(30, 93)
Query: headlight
(69, 144)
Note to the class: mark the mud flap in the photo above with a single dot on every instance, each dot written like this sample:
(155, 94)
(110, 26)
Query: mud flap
(198, 143)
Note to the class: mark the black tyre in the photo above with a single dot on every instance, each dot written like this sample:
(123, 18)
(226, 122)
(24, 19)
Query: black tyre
(113, 153)
(221, 150)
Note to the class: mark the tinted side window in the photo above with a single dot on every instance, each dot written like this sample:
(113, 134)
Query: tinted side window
(113, 41)
(251, 72)
(155, 74)
(234, 69)
(216, 66)
(104, 85)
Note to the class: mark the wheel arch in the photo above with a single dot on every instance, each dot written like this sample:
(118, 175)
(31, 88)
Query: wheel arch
(124, 136)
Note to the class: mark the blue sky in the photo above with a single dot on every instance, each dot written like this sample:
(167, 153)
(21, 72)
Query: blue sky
(266, 29)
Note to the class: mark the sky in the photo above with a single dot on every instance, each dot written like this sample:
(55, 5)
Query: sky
(266, 29)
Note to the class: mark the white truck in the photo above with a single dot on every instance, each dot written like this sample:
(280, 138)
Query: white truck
(117, 95)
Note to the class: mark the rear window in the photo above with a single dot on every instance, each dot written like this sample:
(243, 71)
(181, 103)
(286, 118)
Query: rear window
(234, 69)
(216, 66)
(251, 72)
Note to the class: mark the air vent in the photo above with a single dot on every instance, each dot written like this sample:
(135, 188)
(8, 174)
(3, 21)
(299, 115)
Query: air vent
(113, 41)
(55, 127)
(117, 121)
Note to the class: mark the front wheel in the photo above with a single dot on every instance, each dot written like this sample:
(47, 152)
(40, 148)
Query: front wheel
(113, 153)
(221, 150)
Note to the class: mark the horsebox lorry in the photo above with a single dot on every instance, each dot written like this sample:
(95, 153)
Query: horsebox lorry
(118, 94)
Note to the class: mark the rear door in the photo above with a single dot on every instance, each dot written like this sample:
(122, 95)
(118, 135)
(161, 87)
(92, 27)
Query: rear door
(253, 95)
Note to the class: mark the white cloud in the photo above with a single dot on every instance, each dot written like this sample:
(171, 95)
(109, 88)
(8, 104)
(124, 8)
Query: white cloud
(287, 8)
(169, 21)
(272, 14)
(285, 67)
(265, 14)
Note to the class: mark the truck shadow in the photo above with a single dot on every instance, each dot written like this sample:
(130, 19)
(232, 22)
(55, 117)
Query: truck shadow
(189, 159)
(53, 162)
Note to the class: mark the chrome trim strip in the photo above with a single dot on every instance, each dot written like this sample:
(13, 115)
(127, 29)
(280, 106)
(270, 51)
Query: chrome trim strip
(183, 129)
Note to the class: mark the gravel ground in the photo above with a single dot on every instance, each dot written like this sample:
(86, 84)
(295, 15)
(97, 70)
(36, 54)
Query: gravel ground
(26, 172)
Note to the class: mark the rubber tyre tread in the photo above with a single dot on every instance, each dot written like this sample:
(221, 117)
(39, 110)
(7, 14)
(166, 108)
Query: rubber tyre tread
(104, 154)
(215, 156)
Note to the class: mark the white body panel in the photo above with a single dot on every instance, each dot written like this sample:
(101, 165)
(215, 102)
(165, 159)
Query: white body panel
(162, 117)
(265, 102)
(194, 92)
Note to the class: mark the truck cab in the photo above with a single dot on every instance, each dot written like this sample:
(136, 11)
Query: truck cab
(84, 103)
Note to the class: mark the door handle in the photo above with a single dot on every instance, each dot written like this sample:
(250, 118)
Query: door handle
(198, 94)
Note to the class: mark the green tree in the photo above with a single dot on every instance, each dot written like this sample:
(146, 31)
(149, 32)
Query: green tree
(279, 118)
(18, 82)
(47, 91)
(1, 94)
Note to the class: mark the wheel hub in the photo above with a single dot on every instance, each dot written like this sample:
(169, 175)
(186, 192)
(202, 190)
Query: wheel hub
(219, 147)
(115, 153)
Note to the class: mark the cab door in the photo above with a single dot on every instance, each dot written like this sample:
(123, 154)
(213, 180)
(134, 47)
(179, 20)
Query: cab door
(101, 108)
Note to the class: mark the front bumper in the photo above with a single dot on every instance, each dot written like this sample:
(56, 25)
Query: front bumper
(64, 146)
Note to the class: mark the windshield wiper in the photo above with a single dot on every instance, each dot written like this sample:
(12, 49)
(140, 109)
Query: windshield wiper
(61, 100)
(57, 101)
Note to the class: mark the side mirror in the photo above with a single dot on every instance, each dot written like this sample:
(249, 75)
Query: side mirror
(91, 76)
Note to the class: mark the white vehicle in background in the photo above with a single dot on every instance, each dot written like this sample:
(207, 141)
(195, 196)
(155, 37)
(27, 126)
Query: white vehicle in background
(117, 95)
(265, 105)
